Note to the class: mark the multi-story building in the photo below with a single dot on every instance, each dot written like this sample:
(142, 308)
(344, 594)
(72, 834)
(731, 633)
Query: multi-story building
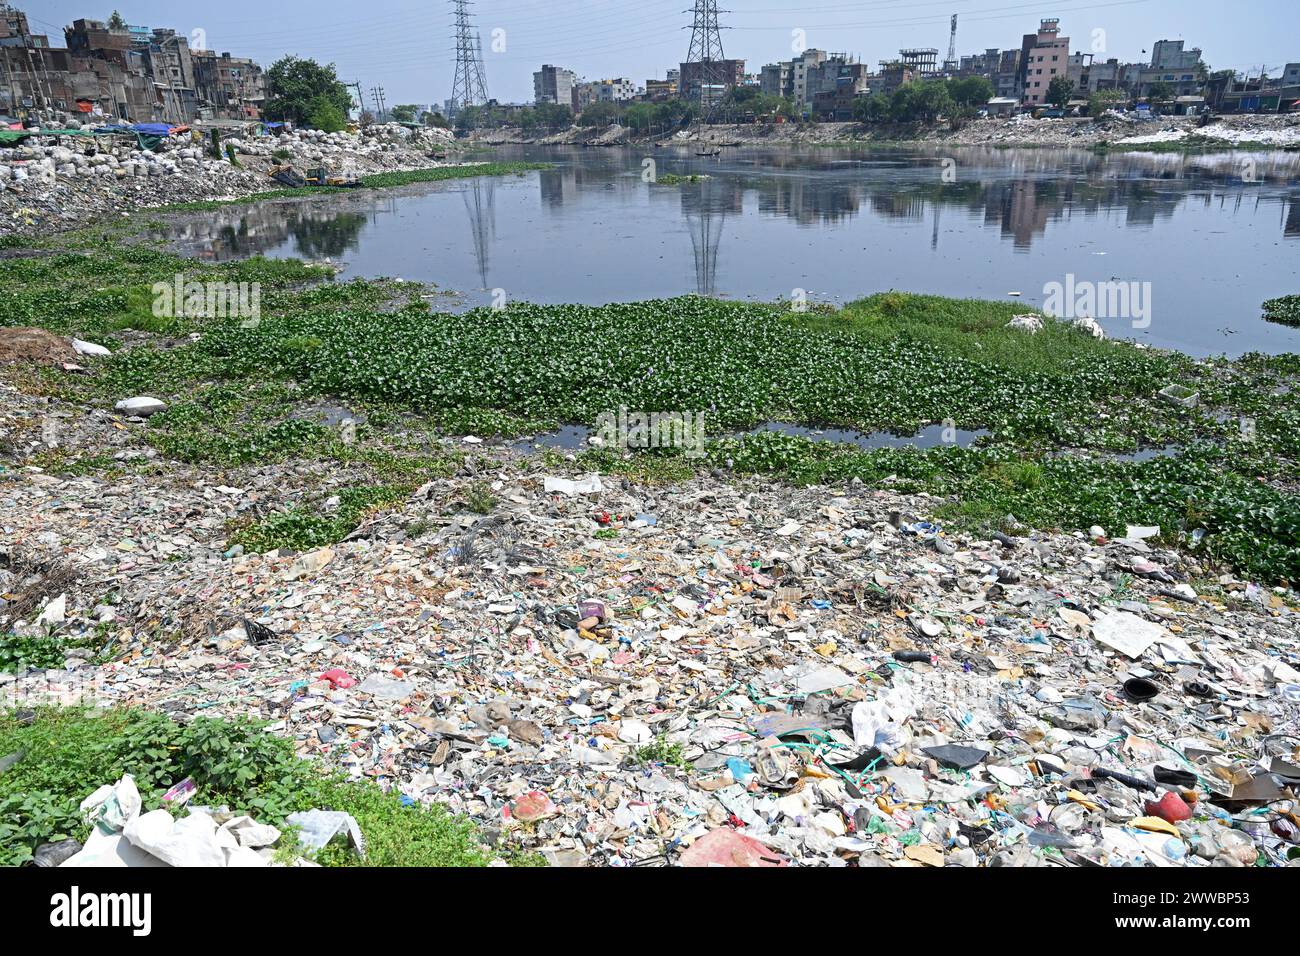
(656, 91)
(554, 84)
(1182, 71)
(1291, 74)
(922, 61)
(37, 76)
(1170, 55)
(169, 63)
(613, 91)
(710, 81)
(229, 87)
(584, 94)
(1045, 57)
(1000, 67)
(892, 75)
(799, 68)
(774, 79)
(840, 82)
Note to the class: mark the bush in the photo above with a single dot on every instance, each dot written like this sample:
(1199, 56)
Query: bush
(70, 752)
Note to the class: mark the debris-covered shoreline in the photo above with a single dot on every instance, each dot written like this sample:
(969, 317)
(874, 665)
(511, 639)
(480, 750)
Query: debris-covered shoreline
(54, 183)
(784, 651)
(800, 664)
(1115, 131)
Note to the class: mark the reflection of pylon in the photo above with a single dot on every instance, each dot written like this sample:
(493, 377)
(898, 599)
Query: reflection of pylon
(706, 50)
(480, 203)
(469, 87)
(706, 227)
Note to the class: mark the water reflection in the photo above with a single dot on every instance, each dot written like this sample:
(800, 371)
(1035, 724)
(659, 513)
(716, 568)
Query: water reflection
(314, 232)
(1208, 232)
(480, 204)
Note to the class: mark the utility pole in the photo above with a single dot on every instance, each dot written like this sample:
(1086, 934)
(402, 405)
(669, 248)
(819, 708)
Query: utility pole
(469, 88)
(361, 101)
(377, 94)
(706, 50)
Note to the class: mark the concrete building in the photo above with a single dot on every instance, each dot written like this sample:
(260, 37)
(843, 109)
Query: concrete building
(774, 79)
(1291, 74)
(1045, 57)
(554, 84)
(657, 91)
(615, 91)
(833, 85)
(1000, 67)
(922, 61)
(799, 68)
(584, 95)
(892, 75)
(229, 87)
(37, 76)
(1181, 70)
(1170, 55)
(722, 75)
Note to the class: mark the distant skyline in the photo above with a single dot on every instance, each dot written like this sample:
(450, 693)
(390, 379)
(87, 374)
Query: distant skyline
(405, 45)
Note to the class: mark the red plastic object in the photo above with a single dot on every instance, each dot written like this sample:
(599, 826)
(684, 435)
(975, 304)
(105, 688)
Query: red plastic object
(726, 847)
(1170, 808)
(339, 678)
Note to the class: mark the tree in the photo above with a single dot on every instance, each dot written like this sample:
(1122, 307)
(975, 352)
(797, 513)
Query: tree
(296, 89)
(323, 114)
(405, 113)
(601, 114)
(116, 22)
(871, 109)
(434, 119)
(1104, 100)
(924, 100)
(1160, 90)
(1059, 90)
(970, 92)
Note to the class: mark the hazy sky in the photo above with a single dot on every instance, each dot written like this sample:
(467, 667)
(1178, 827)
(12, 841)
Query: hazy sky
(406, 46)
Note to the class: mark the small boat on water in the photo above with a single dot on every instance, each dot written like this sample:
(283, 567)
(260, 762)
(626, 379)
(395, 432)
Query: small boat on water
(714, 152)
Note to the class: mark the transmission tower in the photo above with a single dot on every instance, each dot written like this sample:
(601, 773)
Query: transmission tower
(951, 62)
(469, 88)
(706, 49)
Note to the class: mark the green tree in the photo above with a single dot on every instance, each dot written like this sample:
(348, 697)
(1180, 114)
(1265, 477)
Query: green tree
(601, 114)
(1160, 90)
(434, 119)
(296, 89)
(405, 113)
(1059, 90)
(921, 101)
(970, 92)
(116, 22)
(553, 116)
(871, 109)
(1104, 100)
(324, 114)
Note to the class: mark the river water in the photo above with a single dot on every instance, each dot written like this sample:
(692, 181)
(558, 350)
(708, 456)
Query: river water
(1197, 242)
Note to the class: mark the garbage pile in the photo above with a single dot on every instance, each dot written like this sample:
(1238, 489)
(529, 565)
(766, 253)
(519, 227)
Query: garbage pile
(720, 672)
(61, 181)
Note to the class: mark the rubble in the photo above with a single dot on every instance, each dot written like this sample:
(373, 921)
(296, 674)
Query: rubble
(720, 672)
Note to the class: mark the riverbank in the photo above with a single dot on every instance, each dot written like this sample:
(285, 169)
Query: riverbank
(1114, 131)
(586, 668)
(55, 183)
